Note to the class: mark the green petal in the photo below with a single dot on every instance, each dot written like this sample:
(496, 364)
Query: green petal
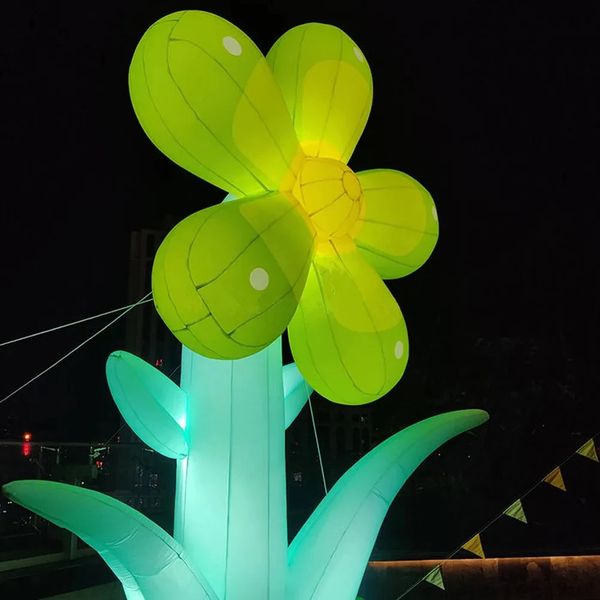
(398, 226)
(227, 279)
(205, 96)
(327, 86)
(348, 336)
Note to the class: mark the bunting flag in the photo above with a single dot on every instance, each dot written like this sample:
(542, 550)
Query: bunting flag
(515, 510)
(474, 546)
(589, 450)
(435, 577)
(555, 479)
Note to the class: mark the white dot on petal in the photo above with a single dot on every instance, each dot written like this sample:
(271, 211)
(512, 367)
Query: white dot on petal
(434, 212)
(232, 45)
(259, 279)
(398, 349)
(359, 54)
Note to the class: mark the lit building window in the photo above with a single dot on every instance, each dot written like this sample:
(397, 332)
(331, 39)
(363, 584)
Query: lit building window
(139, 476)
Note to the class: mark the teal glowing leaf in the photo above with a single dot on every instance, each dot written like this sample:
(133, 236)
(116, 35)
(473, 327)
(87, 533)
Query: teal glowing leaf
(151, 404)
(148, 561)
(296, 392)
(227, 279)
(206, 97)
(328, 556)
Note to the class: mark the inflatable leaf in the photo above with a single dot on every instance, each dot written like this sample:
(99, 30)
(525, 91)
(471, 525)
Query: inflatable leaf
(148, 561)
(296, 392)
(328, 556)
(151, 404)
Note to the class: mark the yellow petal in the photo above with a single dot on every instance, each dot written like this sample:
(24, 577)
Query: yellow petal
(227, 279)
(327, 86)
(398, 226)
(348, 336)
(205, 96)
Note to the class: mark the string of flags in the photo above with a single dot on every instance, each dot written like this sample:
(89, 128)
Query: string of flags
(515, 511)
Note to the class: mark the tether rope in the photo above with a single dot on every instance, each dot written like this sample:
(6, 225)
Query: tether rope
(79, 346)
(58, 327)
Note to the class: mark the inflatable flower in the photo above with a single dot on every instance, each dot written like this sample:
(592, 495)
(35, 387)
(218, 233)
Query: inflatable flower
(306, 242)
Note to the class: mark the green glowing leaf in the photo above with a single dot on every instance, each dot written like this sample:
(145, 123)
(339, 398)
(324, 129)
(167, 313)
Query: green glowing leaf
(328, 556)
(148, 561)
(296, 392)
(151, 404)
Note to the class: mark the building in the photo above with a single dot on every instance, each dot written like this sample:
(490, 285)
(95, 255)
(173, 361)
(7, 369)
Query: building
(147, 336)
(141, 477)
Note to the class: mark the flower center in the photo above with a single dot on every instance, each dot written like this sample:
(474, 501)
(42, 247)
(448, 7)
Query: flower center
(331, 195)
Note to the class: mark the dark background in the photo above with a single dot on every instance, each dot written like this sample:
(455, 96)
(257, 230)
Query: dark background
(492, 106)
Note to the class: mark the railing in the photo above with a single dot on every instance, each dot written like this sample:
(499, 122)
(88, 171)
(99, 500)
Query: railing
(130, 472)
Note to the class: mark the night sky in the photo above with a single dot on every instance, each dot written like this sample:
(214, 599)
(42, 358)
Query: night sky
(492, 106)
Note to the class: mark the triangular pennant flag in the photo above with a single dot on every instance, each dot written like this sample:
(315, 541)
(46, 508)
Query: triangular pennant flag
(515, 510)
(435, 577)
(589, 450)
(555, 478)
(474, 546)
